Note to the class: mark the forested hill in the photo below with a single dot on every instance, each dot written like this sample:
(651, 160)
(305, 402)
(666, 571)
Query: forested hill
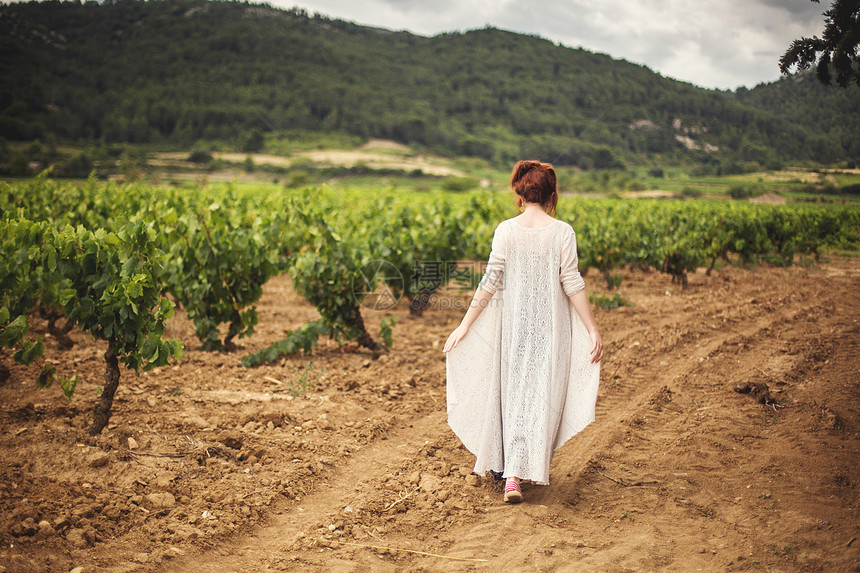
(180, 71)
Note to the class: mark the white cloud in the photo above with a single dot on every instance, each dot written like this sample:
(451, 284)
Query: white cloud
(721, 43)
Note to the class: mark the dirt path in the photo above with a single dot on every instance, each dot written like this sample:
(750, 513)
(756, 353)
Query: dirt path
(271, 545)
(678, 473)
(681, 515)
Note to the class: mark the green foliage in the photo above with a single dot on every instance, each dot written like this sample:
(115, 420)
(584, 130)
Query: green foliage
(453, 183)
(613, 281)
(386, 330)
(419, 246)
(809, 106)
(254, 143)
(299, 178)
(303, 339)
(304, 382)
(599, 181)
(105, 283)
(743, 191)
(324, 271)
(605, 302)
(79, 165)
(12, 331)
(678, 237)
(24, 270)
(102, 255)
(113, 289)
(18, 166)
(200, 156)
(219, 260)
(257, 77)
(836, 50)
(691, 192)
(132, 163)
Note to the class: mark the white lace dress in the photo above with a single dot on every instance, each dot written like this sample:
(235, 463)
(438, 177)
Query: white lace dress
(521, 383)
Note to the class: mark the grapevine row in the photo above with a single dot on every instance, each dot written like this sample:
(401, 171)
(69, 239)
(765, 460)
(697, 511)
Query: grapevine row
(105, 283)
(102, 255)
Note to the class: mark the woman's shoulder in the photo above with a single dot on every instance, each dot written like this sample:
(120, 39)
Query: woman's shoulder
(557, 226)
(513, 222)
(565, 225)
(565, 228)
(565, 234)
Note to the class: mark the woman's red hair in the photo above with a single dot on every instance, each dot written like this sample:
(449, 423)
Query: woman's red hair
(535, 182)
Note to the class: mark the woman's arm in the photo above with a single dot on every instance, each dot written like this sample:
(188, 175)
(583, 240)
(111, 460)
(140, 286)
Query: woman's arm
(580, 303)
(479, 301)
(490, 283)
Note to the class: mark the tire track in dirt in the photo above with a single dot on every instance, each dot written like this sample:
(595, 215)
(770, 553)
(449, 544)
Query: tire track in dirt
(635, 385)
(272, 544)
(729, 484)
(666, 363)
(805, 448)
(784, 486)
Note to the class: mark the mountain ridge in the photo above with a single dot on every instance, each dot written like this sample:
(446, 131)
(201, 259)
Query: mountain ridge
(184, 71)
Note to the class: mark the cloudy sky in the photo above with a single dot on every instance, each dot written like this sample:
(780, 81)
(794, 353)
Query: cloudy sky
(711, 43)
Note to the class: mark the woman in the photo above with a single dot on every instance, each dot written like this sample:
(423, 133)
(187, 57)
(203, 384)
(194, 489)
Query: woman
(523, 365)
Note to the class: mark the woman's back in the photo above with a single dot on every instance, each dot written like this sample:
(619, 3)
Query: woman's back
(523, 353)
(523, 365)
(529, 258)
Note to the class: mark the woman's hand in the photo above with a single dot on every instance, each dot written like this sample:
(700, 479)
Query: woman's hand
(597, 349)
(580, 303)
(455, 338)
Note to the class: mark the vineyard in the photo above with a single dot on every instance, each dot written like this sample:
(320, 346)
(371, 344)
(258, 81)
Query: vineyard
(100, 256)
(118, 262)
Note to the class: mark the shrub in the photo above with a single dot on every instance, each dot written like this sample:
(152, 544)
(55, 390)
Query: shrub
(743, 191)
(78, 165)
(691, 192)
(19, 166)
(607, 303)
(299, 178)
(254, 143)
(452, 183)
(200, 156)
